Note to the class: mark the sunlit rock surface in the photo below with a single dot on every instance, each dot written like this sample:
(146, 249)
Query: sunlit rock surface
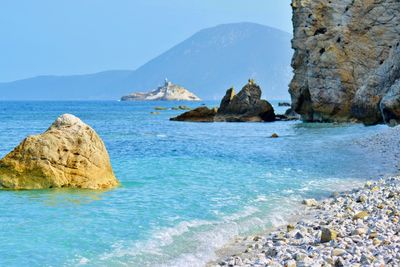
(346, 60)
(69, 154)
(168, 92)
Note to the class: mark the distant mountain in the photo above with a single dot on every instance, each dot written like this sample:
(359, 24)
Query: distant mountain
(208, 63)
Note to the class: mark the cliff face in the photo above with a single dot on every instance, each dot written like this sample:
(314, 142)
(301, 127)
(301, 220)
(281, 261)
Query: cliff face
(347, 60)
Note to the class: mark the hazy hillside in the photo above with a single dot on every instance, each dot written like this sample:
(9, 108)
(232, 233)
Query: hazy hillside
(207, 64)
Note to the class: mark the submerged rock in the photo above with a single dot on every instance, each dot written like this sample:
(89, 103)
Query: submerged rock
(160, 108)
(68, 154)
(274, 135)
(346, 61)
(182, 107)
(246, 106)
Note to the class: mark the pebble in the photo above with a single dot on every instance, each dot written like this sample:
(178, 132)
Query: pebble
(328, 235)
(310, 202)
(291, 263)
(359, 231)
(338, 252)
(360, 215)
(290, 227)
(362, 199)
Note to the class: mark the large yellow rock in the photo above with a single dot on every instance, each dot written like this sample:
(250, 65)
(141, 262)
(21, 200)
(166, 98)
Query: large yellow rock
(69, 154)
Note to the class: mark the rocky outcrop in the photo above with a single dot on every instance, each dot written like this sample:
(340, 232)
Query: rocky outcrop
(69, 154)
(201, 114)
(291, 115)
(246, 106)
(167, 92)
(226, 100)
(346, 60)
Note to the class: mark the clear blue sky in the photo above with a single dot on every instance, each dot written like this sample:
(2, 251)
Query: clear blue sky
(64, 37)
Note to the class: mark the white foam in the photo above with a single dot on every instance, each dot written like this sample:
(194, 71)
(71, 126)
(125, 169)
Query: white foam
(194, 243)
(269, 174)
(206, 237)
(160, 238)
(83, 261)
(261, 198)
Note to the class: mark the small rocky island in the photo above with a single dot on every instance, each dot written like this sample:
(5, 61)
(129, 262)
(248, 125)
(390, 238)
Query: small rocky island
(246, 106)
(69, 154)
(167, 92)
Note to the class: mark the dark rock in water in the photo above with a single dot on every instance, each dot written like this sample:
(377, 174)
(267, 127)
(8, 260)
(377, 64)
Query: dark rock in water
(226, 100)
(182, 107)
(274, 135)
(292, 115)
(161, 108)
(246, 106)
(346, 61)
(201, 114)
(290, 112)
(289, 115)
(284, 104)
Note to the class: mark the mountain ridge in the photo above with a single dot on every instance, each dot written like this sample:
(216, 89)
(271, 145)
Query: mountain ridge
(208, 62)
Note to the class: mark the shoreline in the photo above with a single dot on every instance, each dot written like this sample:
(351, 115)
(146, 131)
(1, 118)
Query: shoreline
(241, 243)
(386, 142)
(355, 228)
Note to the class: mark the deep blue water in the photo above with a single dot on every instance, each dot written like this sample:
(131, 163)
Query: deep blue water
(187, 188)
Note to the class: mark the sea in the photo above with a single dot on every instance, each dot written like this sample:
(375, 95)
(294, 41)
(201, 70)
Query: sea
(187, 189)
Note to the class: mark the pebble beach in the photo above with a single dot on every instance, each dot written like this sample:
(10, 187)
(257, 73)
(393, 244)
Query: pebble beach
(355, 228)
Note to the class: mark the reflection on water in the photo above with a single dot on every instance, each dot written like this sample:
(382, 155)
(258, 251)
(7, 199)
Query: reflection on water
(61, 196)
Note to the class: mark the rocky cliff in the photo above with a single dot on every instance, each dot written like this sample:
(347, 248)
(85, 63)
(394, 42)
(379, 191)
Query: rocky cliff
(346, 62)
(167, 92)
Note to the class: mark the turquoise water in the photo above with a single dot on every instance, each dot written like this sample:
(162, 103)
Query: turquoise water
(187, 188)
